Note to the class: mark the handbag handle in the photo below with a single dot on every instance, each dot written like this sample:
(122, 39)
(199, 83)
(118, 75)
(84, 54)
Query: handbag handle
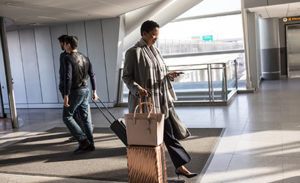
(140, 106)
(140, 101)
(149, 102)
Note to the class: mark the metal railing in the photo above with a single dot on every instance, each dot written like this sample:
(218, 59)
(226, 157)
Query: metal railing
(207, 82)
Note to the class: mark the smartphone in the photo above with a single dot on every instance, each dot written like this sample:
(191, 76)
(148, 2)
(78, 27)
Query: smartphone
(177, 73)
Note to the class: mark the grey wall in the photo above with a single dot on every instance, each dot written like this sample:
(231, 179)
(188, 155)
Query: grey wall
(34, 56)
(2, 79)
(111, 42)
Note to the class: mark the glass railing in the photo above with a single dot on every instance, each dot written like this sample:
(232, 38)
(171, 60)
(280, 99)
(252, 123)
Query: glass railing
(207, 82)
(175, 47)
(211, 82)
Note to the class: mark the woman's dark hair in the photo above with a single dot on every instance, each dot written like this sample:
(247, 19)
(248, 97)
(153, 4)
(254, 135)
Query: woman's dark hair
(148, 26)
(62, 38)
(73, 41)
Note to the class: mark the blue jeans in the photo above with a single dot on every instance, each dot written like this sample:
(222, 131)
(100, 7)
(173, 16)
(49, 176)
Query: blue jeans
(76, 114)
(79, 102)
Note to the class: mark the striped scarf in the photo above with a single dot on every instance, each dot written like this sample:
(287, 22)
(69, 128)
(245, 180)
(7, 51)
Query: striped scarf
(159, 84)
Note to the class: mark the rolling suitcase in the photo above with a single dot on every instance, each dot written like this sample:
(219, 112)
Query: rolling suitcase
(146, 164)
(116, 126)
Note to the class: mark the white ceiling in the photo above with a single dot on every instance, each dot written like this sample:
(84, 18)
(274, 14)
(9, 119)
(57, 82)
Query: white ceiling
(278, 11)
(45, 12)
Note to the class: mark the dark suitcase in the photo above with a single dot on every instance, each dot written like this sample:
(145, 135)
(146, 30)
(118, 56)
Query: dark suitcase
(118, 127)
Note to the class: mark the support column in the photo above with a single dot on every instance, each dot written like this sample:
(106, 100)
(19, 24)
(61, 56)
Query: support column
(11, 97)
(246, 45)
(270, 48)
(251, 42)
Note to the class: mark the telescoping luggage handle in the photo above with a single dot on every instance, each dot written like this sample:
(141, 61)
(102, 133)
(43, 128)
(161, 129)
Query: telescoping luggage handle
(103, 111)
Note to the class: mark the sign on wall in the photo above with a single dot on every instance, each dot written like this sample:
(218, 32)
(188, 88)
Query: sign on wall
(291, 19)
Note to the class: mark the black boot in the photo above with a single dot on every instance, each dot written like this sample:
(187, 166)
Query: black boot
(91, 147)
(83, 146)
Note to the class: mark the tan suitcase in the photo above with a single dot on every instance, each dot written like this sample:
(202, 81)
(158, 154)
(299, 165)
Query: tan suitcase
(147, 164)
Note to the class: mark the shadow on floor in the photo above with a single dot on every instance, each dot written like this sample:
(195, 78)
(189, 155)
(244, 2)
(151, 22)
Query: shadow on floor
(47, 154)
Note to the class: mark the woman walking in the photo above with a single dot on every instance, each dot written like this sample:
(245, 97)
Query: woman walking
(145, 71)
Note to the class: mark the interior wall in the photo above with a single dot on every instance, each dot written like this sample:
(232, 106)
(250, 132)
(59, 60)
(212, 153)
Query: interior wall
(34, 57)
(2, 78)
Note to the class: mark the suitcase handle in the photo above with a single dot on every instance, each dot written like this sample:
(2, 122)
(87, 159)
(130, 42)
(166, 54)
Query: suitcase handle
(107, 110)
(103, 111)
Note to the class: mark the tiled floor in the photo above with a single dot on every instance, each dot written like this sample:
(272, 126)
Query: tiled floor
(264, 144)
(261, 142)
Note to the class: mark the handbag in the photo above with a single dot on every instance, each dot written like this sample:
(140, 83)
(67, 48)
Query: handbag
(144, 128)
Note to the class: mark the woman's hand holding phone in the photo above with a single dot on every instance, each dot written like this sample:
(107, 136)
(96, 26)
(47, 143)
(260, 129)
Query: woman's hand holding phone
(175, 74)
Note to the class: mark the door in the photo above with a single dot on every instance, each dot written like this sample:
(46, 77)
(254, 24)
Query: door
(293, 50)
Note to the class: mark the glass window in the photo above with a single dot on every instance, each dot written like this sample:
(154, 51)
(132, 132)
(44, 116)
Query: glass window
(212, 7)
(202, 35)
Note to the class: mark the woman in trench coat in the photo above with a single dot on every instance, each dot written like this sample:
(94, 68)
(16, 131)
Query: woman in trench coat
(145, 71)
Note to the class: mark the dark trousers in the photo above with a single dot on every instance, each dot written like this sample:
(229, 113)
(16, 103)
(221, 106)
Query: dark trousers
(177, 153)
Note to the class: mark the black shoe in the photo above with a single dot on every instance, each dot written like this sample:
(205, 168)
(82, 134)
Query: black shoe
(91, 148)
(83, 146)
(186, 175)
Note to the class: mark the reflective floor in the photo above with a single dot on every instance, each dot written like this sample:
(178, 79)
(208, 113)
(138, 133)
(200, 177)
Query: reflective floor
(261, 142)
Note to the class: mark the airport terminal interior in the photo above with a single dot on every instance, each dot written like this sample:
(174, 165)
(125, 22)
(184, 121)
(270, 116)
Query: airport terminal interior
(238, 94)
